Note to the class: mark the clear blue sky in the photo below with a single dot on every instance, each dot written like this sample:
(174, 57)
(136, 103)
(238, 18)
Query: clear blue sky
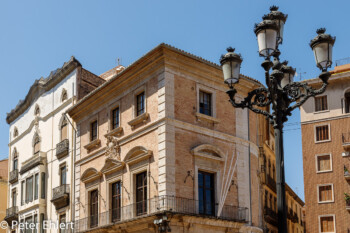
(38, 36)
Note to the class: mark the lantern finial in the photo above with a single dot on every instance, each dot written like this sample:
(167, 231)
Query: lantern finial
(320, 31)
(273, 8)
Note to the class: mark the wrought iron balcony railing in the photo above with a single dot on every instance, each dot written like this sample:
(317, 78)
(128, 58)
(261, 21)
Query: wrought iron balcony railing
(271, 183)
(37, 159)
(11, 214)
(62, 148)
(13, 176)
(156, 205)
(60, 196)
(270, 216)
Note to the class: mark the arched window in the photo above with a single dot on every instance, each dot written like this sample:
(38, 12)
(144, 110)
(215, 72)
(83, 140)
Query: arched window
(64, 95)
(64, 129)
(15, 132)
(37, 111)
(36, 144)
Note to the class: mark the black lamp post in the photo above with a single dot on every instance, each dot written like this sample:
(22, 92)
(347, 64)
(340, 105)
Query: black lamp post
(281, 92)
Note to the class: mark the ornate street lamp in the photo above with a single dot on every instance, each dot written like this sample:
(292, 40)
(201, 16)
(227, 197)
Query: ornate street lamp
(282, 93)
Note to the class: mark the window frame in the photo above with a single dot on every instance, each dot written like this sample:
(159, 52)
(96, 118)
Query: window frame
(209, 97)
(329, 133)
(142, 110)
(112, 125)
(29, 196)
(213, 193)
(90, 206)
(319, 223)
(319, 97)
(330, 159)
(61, 168)
(318, 193)
(209, 90)
(90, 130)
(64, 123)
(137, 92)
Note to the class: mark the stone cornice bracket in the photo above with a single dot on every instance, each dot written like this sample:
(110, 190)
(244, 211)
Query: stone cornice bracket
(95, 143)
(140, 119)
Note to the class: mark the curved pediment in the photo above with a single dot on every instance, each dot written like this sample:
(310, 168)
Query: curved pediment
(90, 174)
(112, 165)
(137, 154)
(208, 151)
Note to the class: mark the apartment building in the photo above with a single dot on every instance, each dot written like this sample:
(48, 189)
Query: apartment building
(41, 147)
(152, 146)
(325, 127)
(3, 190)
(267, 172)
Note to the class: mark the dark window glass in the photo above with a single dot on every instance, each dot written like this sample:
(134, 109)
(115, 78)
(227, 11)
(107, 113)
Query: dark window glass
(93, 132)
(22, 193)
(115, 118)
(62, 220)
(42, 230)
(35, 221)
(140, 99)
(347, 102)
(15, 164)
(29, 220)
(93, 208)
(205, 103)
(63, 175)
(36, 186)
(206, 193)
(29, 189)
(43, 185)
(116, 198)
(321, 103)
(14, 197)
(141, 193)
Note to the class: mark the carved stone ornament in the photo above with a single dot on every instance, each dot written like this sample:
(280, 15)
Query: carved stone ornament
(113, 147)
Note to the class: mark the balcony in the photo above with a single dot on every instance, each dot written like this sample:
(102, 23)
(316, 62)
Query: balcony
(13, 176)
(271, 183)
(60, 196)
(36, 160)
(62, 149)
(270, 216)
(346, 140)
(158, 205)
(346, 173)
(11, 215)
(292, 216)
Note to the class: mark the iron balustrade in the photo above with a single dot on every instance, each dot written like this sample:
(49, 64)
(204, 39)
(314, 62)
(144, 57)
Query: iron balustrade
(60, 191)
(271, 182)
(176, 205)
(62, 148)
(11, 211)
(13, 176)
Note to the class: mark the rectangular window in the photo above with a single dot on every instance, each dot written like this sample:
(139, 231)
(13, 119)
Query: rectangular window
(64, 130)
(323, 163)
(62, 220)
(29, 220)
(327, 224)
(35, 222)
(321, 103)
(14, 197)
(115, 118)
(36, 186)
(116, 197)
(42, 230)
(93, 208)
(141, 193)
(29, 189)
(325, 193)
(347, 102)
(140, 104)
(205, 106)
(63, 175)
(22, 193)
(93, 131)
(206, 194)
(15, 164)
(322, 133)
(43, 185)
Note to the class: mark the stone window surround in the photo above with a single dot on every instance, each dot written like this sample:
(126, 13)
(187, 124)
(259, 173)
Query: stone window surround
(327, 110)
(136, 92)
(64, 93)
(329, 133)
(109, 182)
(110, 108)
(212, 91)
(331, 162)
(318, 193)
(64, 117)
(326, 215)
(133, 172)
(88, 190)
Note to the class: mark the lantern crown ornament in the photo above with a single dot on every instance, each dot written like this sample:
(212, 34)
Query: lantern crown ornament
(231, 65)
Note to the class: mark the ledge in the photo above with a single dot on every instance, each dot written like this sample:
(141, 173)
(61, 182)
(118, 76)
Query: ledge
(140, 119)
(93, 144)
(203, 117)
(115, 132)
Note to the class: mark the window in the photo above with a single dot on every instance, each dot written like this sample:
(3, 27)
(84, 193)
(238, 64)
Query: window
(15, 163)
(94, 208)
(43, 185)
(115, 118)
(325, 193)
(322, 133)
(36, 144)
(323, 163)
(14, 197)
(36, 186)
(93, 131)
(15, 133)
(327, 224)
(141, 193)
(35, 222)
(42, 230)
(140, 103)
(116, 197)
(206, 194)
(29, 220)
(62, 220)
(321, 103)
(64, 129)
(205, 106)
(347, 102)
(22, 193)
(63, 175)
(64, 95)
(29, 189)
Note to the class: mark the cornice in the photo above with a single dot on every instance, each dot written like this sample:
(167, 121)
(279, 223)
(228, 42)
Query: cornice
(41, 86)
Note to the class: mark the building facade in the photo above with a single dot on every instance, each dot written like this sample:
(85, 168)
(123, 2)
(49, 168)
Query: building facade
(325, 127)
(3, 190)
(157, 147)
(41, 147)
